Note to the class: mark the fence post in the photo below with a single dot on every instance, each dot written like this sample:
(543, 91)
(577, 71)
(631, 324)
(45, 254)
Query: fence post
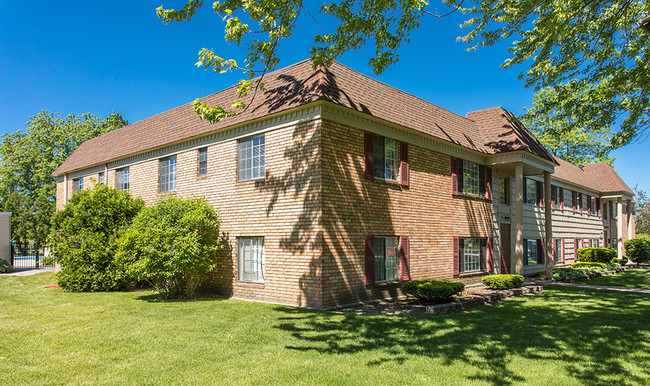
(36, 264)
(12, 255)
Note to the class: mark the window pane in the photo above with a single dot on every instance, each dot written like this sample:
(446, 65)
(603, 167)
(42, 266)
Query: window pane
(379, 156)
(203, 162)
(470, 177)
(471, 258)
(392, 256)
(391, 159)
(531, 252)
(380, 259)
(250, 262)
(126, 179)
(251, 158)
(531, 192)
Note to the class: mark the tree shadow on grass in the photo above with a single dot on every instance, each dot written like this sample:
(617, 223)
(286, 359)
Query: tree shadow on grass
(589, 334)
(157, 298)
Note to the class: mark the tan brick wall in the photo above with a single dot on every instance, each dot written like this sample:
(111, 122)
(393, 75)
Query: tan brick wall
(354, 207)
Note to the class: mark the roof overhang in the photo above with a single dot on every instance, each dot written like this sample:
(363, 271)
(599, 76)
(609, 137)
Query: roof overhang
(616, 195)
(532, 163)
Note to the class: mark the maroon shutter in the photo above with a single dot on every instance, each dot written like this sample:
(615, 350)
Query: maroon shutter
(563, 249)
(562, 198)
(456, 256)
(405, 262)
(540, 193)
(454, 175)
(404, 163)
(553, 196)
(369, 163)
(590, 243)
(588, 204)
(490, 254)
(370, 260)
(573, 200)
(598, 206)
(488, 183)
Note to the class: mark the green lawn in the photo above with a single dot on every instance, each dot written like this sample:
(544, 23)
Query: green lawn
(636, 278)
(562, 336)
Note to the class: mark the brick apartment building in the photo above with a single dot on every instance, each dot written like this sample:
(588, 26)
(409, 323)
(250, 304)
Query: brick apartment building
(333, 187)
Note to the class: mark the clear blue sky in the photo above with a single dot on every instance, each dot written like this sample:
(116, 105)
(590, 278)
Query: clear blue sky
(87, 56)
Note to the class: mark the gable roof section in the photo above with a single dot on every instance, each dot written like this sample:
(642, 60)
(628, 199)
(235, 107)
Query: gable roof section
(488, 131)
(600, 177)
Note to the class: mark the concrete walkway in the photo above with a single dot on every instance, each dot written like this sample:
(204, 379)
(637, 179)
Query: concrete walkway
(598, 287)
(28, 272)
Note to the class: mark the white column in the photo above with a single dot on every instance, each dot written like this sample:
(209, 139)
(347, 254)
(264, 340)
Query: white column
(519, 219)
(630, 214)
(548, 225)
(619, 226)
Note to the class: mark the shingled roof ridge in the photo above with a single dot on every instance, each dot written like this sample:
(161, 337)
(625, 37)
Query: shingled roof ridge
(397, 89)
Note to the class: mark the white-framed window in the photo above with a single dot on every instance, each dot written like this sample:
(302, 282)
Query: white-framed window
(202, 162)
(102, 178)
(386, 258)
(471, 180)
(123, 178)
(472, 254)
(504, 190)
(533, 252)
(385, 158)
(77, 184)
(250, 259)
(250, 156)
(167, 173)
(530, 189)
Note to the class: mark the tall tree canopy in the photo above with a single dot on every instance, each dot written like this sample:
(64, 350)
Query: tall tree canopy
(587, 60)
(642, 211)
(28, 158)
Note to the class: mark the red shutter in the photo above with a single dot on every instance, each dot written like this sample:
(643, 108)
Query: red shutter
(404, 163)
(573, 200)
(454, 175)
(369, 163)
(588, 204)
(553, 196)
(563, 249)
(456, 256)
(562, 198)
(540, 192)
(488, 184)
(590, 243)
(405, 262)
(370, 260)
(490, 254)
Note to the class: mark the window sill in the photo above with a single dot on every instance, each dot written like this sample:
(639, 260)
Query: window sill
(392, 183)
(250, 284)
(253, 180)
(471, 196)
(384, 284)
(471, 274)
(201, 177)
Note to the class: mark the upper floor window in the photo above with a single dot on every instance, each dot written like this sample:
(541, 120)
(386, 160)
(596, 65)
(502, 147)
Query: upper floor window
(250, 158)
(167, 182)
(504, 190)
(471, 178)
(530, 191)
(102, 178)
(203, 162)
(386, 258)
(122, 178)
(472, 254)
(77, 184)
(385, 156)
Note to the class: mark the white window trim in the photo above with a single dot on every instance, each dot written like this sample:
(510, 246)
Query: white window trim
(259, 261)
(397, 163)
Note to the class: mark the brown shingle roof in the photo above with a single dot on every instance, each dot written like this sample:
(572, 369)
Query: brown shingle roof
(488, 131)
(600, 177)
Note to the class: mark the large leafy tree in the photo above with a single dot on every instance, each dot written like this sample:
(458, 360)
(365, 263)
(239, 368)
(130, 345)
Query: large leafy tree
(642, 211)
(587, 60)
(28, 158)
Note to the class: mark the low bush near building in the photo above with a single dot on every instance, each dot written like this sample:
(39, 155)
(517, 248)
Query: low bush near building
(568, 274)
(5, 266)
(83, 239)
(433, 291)
(172, 245)
(503, 281)
(583, 264)
(596, 255)
(622, 261)
(638, 250)
(613, 266)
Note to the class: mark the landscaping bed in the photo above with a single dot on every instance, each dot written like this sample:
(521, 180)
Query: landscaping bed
(470, 298)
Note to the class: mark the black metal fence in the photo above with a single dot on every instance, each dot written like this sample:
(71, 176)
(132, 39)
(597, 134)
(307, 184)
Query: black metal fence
(30, 259)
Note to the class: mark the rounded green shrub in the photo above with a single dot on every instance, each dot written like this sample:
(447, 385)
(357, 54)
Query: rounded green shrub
(433, 291)
(623, 260)
(638, 250)
(503, 281)
(584, 264)
(83, 238)
(596, 255)
(172, 245)
(5, 266)
(569, 274)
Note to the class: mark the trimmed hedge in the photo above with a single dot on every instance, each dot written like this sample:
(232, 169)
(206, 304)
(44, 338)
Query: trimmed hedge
(596, 255)
(638, 250)
(503, 281)
(563, 274)
(584, 264)
(5, 266)
(433, 291)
